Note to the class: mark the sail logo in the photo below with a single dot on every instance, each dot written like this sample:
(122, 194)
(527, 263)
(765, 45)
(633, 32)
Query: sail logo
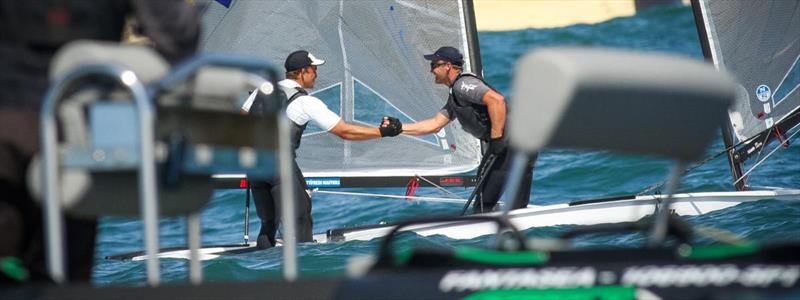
(468, 87)
(763, 93)
(451, 181)
(324, 182)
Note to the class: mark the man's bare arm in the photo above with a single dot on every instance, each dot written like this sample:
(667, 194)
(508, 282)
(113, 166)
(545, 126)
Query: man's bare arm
(496, 105)
(354, 132)
(428, 126)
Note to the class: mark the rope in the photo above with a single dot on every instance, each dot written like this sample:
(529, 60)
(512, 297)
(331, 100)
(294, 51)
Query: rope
(440, 188)
(770, 131)
(765, 157)
(661, 184)
(420, 198)
(760, 150)
(657, 186)
(429, 199)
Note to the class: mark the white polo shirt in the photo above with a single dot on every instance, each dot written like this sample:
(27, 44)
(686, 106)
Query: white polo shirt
(304, 108)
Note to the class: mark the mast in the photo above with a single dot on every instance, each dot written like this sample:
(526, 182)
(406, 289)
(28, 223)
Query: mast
(473, 47)
(725, 128)
(472, 37)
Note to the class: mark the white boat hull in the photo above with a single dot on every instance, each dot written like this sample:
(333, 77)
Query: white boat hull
(610, 211)
(615, 211)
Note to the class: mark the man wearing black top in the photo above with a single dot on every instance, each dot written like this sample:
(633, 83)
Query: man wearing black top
(481, 110)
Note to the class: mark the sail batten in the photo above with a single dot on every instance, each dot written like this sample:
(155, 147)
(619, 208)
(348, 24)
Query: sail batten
(374, 68)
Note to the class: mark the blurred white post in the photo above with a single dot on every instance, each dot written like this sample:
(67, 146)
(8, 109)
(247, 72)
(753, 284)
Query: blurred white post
(287, 200)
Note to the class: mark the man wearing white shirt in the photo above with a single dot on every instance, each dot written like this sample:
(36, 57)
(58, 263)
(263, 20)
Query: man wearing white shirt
(301, 74)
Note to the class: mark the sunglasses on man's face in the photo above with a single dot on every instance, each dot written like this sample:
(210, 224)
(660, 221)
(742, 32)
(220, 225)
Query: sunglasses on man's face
(435, 65)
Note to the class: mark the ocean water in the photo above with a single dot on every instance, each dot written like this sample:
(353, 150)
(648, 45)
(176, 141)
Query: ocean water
(560, 176)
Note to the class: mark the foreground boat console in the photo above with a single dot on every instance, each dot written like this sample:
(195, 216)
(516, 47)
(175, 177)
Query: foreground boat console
(683, 272)
(680, 271)
(124, 135)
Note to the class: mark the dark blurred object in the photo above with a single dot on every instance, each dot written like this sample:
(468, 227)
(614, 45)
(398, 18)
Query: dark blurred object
(641, 5)
(30, 34)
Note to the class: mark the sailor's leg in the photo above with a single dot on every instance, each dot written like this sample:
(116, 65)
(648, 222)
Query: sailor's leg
(267, 212)
(305, 225)
(524, 193)
(490, 192)
(302, 207)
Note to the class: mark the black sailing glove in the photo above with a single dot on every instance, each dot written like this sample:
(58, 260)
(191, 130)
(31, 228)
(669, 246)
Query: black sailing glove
(496, 146)
(390, 127)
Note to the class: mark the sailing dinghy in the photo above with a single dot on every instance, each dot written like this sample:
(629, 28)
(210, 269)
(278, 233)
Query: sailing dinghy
(757, 122)
(373, 68)
(373, 49)
(669, 266)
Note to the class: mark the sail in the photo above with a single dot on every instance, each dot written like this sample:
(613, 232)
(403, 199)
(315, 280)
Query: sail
(758, 42)
(374, 67)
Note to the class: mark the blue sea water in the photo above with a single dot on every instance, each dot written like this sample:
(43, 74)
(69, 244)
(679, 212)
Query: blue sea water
(560, 176)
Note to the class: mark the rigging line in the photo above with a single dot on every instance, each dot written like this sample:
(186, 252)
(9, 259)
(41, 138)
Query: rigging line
(771, 131)
(438, 187)
(788, 116)
(421, 198)
(779, 146)
(724, 151)
(692, 168)
(752, 138)
(758, 155)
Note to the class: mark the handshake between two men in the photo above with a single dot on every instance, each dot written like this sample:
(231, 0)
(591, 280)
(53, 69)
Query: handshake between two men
(390, 126)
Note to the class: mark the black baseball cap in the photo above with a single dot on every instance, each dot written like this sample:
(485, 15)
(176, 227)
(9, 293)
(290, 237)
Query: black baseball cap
(301, 59)
(447, 53)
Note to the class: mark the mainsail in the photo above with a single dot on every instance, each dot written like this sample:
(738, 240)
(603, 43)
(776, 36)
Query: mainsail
(374, 68)
(759, 43)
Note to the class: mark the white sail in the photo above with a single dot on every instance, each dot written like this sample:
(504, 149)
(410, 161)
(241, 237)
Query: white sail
(374, 68)
(759, 43)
